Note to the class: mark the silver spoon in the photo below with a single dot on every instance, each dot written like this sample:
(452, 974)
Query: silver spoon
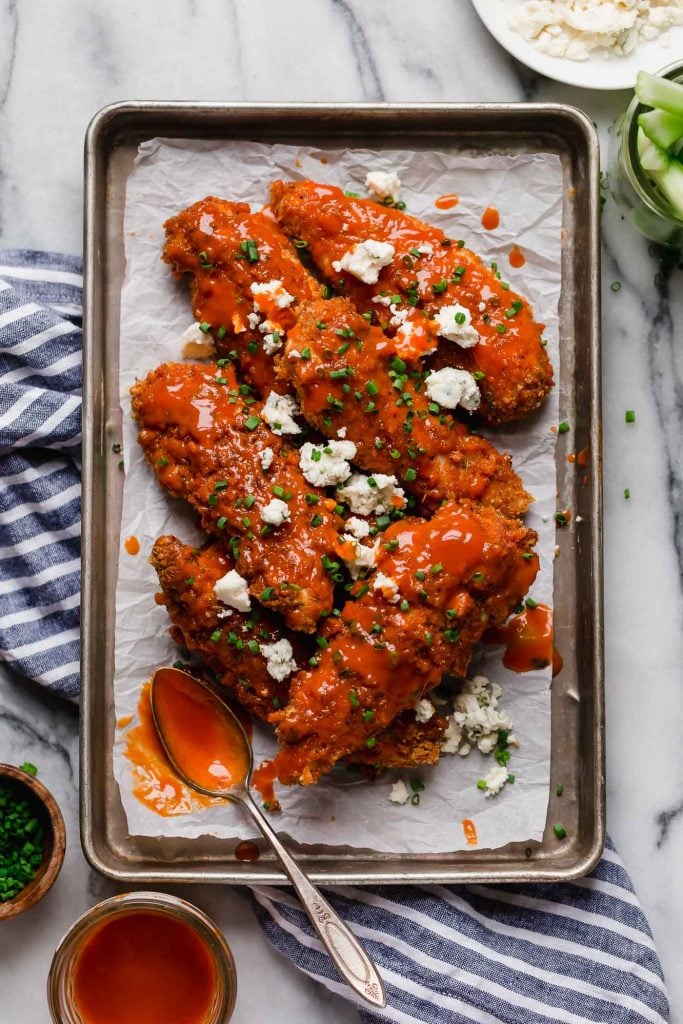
(344, 949)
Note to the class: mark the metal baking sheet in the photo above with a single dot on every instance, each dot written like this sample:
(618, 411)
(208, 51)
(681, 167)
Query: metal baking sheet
(577, 694)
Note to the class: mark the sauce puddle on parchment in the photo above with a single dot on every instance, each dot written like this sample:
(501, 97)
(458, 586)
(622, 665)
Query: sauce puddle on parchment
(157, 786)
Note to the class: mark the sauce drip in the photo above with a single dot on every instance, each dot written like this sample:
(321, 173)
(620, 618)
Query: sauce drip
(197, 727)
(582, 457)
(516, 257)
(470, 830)
(447, 202)
(132, 545)
(529, 640)
(247, 851)
(157, 786)
(263, 781)
(144, 967)
(490, 218)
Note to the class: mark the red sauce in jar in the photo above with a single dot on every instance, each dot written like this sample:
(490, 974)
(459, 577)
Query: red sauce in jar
(132, 545)
(247, 851)
(447, 202)
(144, 967)
(516, 257)
(490, 219)
(529, 640)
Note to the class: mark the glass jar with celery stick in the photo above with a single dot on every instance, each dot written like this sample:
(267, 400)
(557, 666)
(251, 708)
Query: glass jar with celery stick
(646, 166)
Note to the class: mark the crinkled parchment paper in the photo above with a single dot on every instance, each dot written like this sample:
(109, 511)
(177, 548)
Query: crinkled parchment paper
(155, 309)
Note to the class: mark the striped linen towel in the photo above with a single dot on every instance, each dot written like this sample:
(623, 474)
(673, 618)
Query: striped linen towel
(574, 953)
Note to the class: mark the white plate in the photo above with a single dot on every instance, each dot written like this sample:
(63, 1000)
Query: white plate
(599, 71)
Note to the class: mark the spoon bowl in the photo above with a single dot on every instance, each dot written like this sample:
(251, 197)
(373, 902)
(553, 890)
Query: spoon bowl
(209, 749)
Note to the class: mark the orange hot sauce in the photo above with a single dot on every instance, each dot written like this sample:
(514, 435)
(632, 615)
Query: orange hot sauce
(447, 202)
(144, 967)
(529, 640)
(157, 786)
(205, 742)
(490, 218)
(470, 830)
(132, 545)
(516, 257)
(247, 851)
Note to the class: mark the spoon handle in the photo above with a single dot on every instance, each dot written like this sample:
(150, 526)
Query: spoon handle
(345, 951)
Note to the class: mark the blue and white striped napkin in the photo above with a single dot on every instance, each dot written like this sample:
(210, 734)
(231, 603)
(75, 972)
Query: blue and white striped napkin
(574, 953)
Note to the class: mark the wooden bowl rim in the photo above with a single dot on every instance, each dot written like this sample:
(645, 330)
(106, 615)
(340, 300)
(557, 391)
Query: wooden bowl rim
(51, 866)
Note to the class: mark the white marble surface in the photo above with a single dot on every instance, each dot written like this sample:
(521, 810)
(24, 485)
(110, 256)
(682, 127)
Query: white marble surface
(61, 60)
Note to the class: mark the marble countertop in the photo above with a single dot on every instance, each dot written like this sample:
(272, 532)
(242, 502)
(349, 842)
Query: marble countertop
(59, 62)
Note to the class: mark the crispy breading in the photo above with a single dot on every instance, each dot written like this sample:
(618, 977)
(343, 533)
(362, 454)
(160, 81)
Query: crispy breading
(350, 380)
(226, 249)
(438, 585)
(204, 442)
(406, 743)
(428, 271)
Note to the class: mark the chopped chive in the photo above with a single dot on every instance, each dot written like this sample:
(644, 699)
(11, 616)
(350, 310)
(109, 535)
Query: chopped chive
(252, 423)
(560, 831)
(204, 327)
(559, 789)
(370, 742)
(353, 698)
(616, 286)
(266, 594)
(630, 416)
(627, 493)
(216, 635)
(562, 427)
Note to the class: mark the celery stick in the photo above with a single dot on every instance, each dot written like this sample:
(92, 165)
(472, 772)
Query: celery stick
(662, 128)
(652, 157)
(661, 93)
(670, 184)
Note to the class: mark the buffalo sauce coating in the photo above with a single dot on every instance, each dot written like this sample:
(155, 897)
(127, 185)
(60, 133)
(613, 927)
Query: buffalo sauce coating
(156, 785)
(203, 440)
(207, 241)
(528, 639)
(438, 582)
(431, 452)
(144, 967)
(199, 731)
(516, 372)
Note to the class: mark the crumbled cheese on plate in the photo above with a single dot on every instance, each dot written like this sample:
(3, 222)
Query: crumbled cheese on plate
(574, 29)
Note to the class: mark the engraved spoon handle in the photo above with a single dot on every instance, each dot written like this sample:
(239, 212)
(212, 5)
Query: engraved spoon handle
(345, 951)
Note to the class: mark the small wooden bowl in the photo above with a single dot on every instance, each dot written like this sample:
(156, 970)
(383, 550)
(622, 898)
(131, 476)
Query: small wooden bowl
(50, 816)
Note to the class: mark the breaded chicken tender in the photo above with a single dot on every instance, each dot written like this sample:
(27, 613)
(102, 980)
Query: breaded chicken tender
(229, 642)
(426, 277)
(438, 585)
(207, 441)
(246, 281)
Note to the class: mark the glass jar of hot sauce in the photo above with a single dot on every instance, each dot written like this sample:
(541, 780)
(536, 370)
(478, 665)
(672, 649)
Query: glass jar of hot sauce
(139, 958)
